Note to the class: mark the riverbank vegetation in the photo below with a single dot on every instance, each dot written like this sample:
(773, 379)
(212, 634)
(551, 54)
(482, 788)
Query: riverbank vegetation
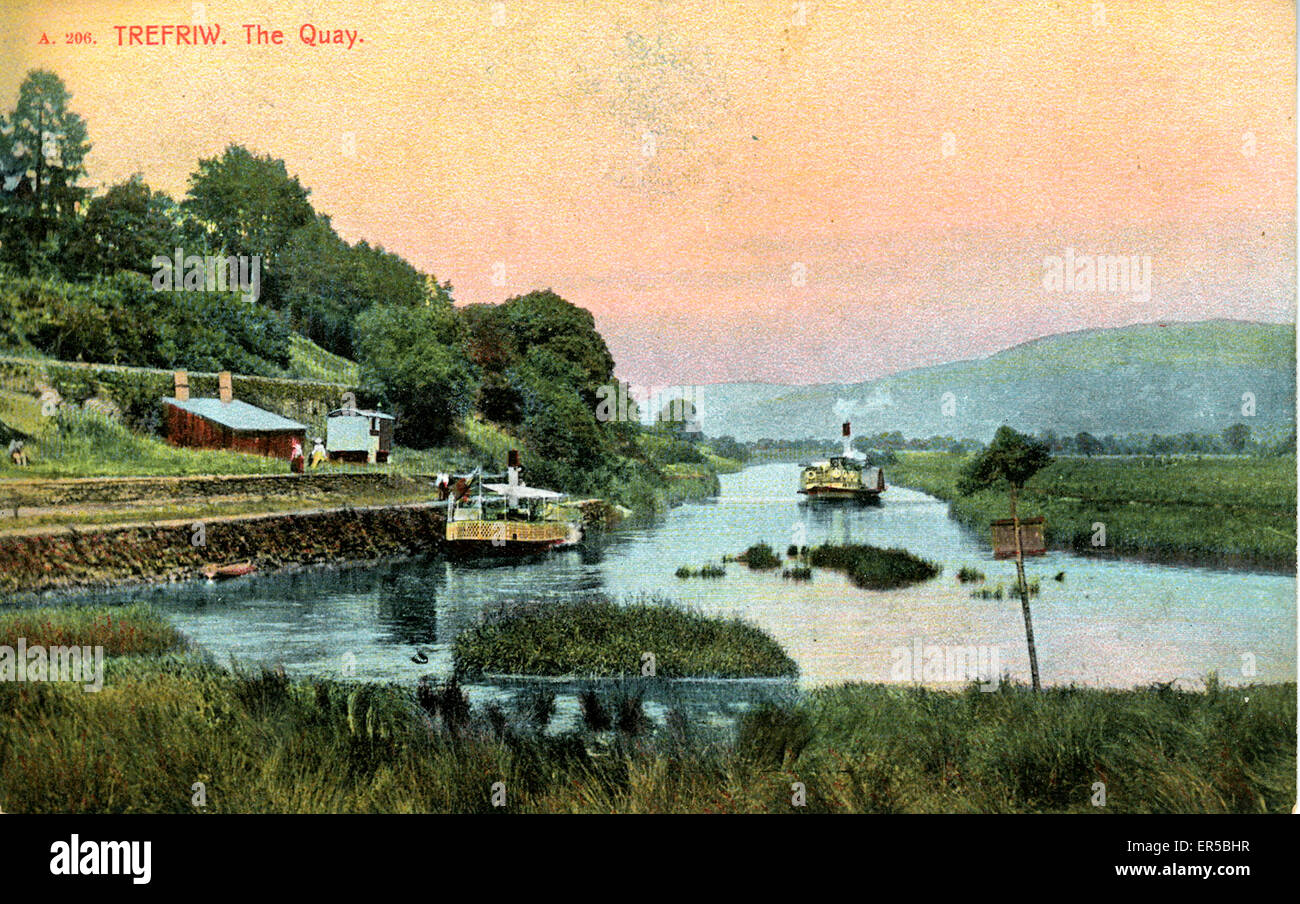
(260, 741)
(708, 570)
(874, 568)
(1216, 510)
(127, 630)
(79, 286)
(597, 636)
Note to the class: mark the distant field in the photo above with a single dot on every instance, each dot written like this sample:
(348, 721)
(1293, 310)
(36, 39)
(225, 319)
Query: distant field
(1221, 509)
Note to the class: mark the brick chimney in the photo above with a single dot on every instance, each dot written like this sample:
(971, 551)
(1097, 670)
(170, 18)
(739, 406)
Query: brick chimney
(223, 387)
(182, 386)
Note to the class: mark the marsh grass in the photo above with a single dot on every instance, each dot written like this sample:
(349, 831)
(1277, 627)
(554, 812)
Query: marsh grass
(760, 557)
(163, 723)
(597, 636)
(121, 630)
(1033, 586)
(709, 570)
(874, 568)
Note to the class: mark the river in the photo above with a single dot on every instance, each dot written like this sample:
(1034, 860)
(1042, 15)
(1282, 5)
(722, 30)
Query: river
(1107, 623)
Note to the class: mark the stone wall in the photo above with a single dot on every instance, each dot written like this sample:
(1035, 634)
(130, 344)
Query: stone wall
(85, 558)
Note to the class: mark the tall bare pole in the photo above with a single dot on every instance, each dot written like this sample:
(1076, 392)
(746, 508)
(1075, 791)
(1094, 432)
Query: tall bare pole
(1024, 594)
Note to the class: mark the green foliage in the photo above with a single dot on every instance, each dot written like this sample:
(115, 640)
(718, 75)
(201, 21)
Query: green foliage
(874, 568)
(43, 146)
(121, 320)
(327, 283)
(243, 204)
(1010, 459)
(708, 570)
(122, 230)
(1237, 437)
(969, 575)
(1238, 510)
(597, 636)
(760, 556)
(414, 360)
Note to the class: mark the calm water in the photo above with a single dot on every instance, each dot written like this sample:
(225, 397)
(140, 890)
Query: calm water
(1109, 622)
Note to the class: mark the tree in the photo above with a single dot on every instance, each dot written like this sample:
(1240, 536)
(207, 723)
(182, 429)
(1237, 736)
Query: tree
(1010, 461)
(123, 229)
(326, 283)
(243, 205)
(43, 146)
(493, 348)
(545, 320)
(1088, 445)
(416, 361)
(1237, 437)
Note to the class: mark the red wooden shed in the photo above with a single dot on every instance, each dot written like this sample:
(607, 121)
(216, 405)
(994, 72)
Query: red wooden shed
(234, 425)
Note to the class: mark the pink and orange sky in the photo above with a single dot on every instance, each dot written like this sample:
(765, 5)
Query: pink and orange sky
(779, 191)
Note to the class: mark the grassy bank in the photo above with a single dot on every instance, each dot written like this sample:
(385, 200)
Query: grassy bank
(1230, 510)
(261, 742)
(874, 568)
(127, 630)
(599, 637)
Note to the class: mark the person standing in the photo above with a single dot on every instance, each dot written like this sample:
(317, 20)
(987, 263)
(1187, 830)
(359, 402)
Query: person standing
(318, 454)
(295, 457)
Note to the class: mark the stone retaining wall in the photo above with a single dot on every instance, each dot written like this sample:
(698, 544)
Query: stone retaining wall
(170, 551)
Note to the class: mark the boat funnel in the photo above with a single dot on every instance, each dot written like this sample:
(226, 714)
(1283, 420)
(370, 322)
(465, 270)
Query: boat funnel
(512, 479)
(847, 431)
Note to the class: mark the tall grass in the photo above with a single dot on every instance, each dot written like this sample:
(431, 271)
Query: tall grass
(122, 630)
(597, 636)
(261, 743)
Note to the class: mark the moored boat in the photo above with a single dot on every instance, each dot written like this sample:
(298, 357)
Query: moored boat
(510, 518)
(224, 572)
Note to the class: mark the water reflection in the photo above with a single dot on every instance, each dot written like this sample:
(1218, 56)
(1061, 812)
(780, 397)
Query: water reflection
(1108, 623)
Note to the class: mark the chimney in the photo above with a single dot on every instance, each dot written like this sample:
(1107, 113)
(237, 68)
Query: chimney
(848, 440)
(223, 387)
(182, 380)
(512, 479)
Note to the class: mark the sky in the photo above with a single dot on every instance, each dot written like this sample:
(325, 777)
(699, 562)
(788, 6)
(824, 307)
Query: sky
(774, 191)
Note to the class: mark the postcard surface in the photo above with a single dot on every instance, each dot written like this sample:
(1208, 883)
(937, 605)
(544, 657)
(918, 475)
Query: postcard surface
(788, 407)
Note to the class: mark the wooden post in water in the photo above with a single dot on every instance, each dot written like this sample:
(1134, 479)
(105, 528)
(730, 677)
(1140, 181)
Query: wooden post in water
(1024, 593)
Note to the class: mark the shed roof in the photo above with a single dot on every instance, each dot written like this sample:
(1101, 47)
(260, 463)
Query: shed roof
(237, 415)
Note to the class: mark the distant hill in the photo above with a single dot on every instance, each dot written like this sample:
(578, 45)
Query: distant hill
(1149, 378)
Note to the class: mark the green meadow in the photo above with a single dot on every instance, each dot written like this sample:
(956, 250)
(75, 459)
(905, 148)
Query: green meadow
(1232, 510)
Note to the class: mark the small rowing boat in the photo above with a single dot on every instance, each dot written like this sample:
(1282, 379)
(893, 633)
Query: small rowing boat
(224, 572)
